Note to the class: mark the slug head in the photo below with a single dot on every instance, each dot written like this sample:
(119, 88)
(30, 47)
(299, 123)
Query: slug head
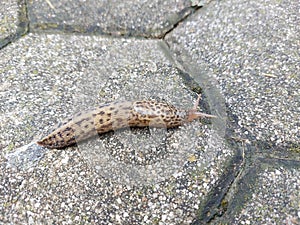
(193, 114)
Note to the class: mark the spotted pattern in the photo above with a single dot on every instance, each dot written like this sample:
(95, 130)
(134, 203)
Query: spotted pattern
(114, 116)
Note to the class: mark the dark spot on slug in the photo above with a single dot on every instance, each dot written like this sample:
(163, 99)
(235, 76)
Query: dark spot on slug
(101, 121)
(102, 113)
(107, 125)
(167, 120)
(101, 130)
(53, 138)
(145, 121)
(72, 140)
(60, 134)
(67, 129)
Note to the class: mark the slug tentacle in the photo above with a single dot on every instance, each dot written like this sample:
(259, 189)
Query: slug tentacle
(117, 115)
(193, 114)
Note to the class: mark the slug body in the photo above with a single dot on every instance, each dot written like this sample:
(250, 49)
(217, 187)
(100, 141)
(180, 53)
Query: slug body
(117, 115)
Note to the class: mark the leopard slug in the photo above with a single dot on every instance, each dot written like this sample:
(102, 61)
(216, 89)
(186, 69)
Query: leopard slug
(117, 115)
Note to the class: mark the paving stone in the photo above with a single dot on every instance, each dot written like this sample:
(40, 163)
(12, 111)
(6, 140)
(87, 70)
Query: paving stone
(242, 55)
(267, 194)
(48, 77)
(252, 49)
(138, 18)
(12, 21)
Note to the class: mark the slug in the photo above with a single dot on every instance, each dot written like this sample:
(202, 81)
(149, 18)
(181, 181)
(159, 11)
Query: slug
(117, 115)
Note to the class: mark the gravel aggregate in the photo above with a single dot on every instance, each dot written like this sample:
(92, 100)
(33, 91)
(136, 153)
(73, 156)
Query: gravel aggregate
(9, 20)
(275, 198)
(48, 77)
(138, 18)
(58, 58)
(252, 49)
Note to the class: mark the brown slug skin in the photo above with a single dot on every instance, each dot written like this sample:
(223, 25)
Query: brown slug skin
(117, 115)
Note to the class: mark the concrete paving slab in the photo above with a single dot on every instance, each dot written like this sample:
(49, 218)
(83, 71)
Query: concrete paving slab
(243, 57)
(267, 194)
(252, 48)
(48, 77)
(135, 18)
(13, 22)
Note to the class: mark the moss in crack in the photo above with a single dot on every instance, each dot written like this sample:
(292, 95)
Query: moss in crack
(295, 149)
(10, 147)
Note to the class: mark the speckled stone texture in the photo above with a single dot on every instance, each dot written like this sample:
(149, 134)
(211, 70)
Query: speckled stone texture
(270, 194)
(54, 76)
(117, 17)
(13, 21)
(8, 18)
(241, 167)
(252, 48)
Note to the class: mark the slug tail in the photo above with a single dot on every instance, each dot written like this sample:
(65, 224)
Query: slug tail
(46, 142)
(54, 141)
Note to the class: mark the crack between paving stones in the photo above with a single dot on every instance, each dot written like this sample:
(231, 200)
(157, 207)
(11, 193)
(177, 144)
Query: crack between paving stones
(216, 203)
(25, 16)
(195, 9)
(22, 25)
(244, 184)
(225, 203)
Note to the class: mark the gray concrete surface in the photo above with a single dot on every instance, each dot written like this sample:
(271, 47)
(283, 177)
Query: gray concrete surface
(8, 20)
(265, 205)
(138, 18)
(252, 48)
(13, 22)
(239, 168)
